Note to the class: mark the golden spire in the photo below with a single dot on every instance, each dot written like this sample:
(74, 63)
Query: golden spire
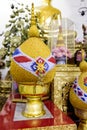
(33, 22)
(33, 31)
(60, 41)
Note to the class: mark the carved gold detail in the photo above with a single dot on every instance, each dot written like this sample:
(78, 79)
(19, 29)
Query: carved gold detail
(60, 127)
(65, 75)
(5, 89)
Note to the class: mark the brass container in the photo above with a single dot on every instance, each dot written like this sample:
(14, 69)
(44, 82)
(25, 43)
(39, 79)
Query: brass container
(82, 115)
(33, 92)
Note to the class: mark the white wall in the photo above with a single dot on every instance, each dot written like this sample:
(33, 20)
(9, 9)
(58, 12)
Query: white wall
(69, 9)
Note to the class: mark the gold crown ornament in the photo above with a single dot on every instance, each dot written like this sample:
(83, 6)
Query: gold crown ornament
(33, 68)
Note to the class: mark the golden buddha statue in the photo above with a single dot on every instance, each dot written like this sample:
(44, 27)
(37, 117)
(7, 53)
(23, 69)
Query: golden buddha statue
(49, 21)
(48, 12)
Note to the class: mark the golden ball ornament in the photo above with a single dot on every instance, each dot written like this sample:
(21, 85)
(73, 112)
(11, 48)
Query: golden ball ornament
(33, 47)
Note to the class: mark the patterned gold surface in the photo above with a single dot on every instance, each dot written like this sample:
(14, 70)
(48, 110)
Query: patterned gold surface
(64, 76)
(5, 89)
(60, 127)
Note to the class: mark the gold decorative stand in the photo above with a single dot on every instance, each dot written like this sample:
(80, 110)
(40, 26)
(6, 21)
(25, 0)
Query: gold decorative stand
(34, 107)
(65, 75)
(33, 93)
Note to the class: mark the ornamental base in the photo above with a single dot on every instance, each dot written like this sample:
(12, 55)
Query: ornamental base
(34, 107)
(82, 114)
(82, 125)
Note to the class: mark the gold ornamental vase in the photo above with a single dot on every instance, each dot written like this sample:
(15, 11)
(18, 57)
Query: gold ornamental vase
(34, 106)
(78, 94)
(33, 68)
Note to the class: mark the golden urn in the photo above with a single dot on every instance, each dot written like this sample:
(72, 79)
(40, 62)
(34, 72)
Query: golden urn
(33, 68)
(78, 95)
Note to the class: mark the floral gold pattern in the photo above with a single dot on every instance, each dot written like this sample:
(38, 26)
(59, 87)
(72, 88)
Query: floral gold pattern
(65, 74)
(61, 127)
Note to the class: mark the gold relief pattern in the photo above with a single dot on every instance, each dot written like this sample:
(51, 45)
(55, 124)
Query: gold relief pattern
(5, 89)
(60, 127)
(63, 79)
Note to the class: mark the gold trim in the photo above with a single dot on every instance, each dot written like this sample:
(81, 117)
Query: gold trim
(60, 127)
(25, 100)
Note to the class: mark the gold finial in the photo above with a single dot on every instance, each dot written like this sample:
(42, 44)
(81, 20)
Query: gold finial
(33, 31)
(33, 22)
(60, 41)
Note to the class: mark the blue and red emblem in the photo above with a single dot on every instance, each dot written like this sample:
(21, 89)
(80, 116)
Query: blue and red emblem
(81, 94)
(35, 66)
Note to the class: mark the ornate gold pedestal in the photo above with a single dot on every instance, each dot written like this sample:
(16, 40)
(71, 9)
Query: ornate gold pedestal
(33, 92)
(82, 114)
(34, 107)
